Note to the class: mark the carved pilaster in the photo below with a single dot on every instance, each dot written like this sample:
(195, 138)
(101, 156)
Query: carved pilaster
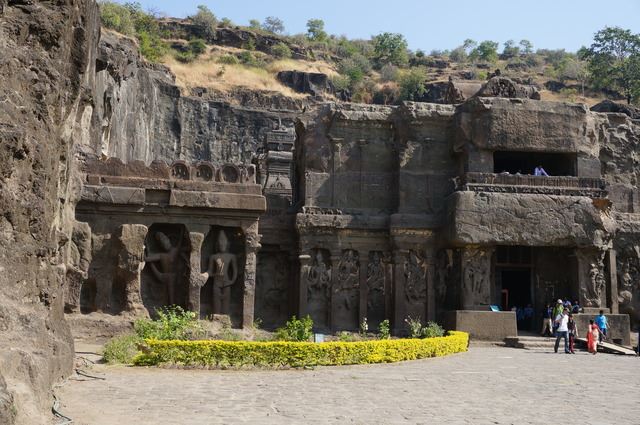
(431, 284)
(305, 262)
(612, 274)
(252, 244)
(364, 288)
(335, 261)
(130, 261)
(399, 308)
(197, 279)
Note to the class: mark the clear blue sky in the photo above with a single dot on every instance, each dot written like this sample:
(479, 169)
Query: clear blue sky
(429, 24)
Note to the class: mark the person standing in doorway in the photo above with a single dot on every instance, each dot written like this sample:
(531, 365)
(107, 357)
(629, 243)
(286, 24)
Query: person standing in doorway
(562, 331)
(573, 333)
(603, 324)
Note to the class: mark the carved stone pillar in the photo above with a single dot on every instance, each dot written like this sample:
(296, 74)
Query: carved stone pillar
(476, 278)
(252, 244)
(591, 280)
(612, 274)
(431, 285)
(305, 262)
(399, 308)
(197, 279)
(130, 261)
(364, 288)
(335, 261)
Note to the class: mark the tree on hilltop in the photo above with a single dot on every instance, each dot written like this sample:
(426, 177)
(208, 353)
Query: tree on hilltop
(315, 30)
(614, 61)
(390, 48)
(205, 22)
(273, 24)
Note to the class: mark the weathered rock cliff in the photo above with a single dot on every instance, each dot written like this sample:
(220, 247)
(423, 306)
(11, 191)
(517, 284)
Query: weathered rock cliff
(47, 59)
(140, 114)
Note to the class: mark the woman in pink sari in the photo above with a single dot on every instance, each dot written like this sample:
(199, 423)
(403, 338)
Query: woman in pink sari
(592, 337)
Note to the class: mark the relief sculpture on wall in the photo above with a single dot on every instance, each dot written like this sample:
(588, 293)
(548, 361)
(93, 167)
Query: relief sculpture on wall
(223, 268)
(629, 281)
(346, 297)
(375, 288)
(594, 288)
(475, 279)
(166, 260)
(415, 285)
(318, 289)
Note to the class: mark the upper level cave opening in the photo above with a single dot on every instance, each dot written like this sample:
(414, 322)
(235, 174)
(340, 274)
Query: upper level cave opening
(555, 164)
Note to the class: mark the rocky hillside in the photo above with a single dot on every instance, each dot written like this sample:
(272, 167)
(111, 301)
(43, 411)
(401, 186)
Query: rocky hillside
(224, 57)
(47, 59)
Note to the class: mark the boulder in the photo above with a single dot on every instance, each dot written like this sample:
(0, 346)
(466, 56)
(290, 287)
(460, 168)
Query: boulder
(313, 83)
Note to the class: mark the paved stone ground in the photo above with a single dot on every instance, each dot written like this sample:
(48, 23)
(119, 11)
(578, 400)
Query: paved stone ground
(487, 385)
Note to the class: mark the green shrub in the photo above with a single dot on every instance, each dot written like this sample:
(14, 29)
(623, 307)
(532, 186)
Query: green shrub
(384, 330)
(151, 46)
(345, 336)
(432, 330)
(185, 57)
(117, 17)
(121, 349)
(296, 330)
(172, 323)
(415, 327)
(297, 354)
(281, 51)
(205, 23)
(389, 72)
(197, 46)
(228, 60)
(412, 84)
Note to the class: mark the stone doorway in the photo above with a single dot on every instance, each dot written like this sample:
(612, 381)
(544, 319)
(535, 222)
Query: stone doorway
(517, 292)
(514, 283)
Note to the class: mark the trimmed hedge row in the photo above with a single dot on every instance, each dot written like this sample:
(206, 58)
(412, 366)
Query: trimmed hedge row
(296, 354)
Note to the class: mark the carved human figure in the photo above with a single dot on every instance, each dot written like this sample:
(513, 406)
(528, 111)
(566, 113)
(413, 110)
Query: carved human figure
(165, 265)
(223, 266)
(593, 289)
(318, 289)
(445, 264)
(375, 288)
(476, 263)
(346, 298)
(416, 286)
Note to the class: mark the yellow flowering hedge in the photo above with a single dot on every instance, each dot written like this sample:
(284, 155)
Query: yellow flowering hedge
(297, 354)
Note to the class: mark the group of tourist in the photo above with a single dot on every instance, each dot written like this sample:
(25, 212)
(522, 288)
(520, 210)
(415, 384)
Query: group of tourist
(559, 322)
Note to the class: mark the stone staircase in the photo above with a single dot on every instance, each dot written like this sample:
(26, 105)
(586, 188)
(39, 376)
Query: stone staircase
(530, 342)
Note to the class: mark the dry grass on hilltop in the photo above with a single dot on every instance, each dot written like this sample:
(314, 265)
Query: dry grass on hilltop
(207, 72)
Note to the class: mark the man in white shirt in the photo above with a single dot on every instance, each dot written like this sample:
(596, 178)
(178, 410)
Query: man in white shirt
(539, 171)
(562, 322)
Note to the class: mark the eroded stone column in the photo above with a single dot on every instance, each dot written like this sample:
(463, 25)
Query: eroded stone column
(335, 261)
(197, 279)
(305, 261)
(364, 287)
(399, 308)
(612, 292)
(431, 292)
(252, 244)
(130, 261)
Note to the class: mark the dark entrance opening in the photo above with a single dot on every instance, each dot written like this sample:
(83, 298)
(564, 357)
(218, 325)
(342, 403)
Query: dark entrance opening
(555, 164)
(516, 292)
